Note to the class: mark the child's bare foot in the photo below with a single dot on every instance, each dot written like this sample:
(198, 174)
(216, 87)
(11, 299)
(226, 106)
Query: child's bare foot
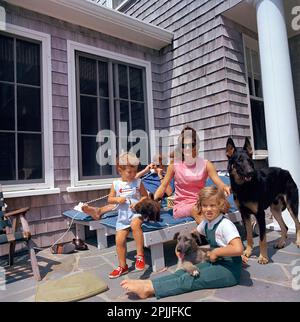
(142, 288)
(95, 212)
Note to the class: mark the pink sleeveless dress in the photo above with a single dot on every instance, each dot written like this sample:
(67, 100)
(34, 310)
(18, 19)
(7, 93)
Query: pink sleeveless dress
(188, 181)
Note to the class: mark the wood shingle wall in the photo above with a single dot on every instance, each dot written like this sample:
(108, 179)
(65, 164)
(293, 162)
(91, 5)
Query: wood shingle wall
(203, 73)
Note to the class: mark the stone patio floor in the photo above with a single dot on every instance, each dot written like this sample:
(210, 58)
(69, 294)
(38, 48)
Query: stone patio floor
(278, 281)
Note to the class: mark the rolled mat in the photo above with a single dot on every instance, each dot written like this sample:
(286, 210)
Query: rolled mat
(70, 288)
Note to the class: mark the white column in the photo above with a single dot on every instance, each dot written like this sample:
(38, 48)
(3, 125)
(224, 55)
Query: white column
(279, 98)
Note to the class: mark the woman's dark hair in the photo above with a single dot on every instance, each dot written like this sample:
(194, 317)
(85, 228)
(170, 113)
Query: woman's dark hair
(186, 133)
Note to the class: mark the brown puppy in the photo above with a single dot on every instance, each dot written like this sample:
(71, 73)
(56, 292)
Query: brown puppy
(149, 209)
(188, 252)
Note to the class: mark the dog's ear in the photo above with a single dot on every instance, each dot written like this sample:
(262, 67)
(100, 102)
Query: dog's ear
(230, 148)
(247, 147)
(176, 236)
(197, 238)
(138, 207)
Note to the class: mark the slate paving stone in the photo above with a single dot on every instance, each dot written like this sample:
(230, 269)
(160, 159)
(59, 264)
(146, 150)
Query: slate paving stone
(258, 282)
(189, 297)
(93, 299)
(272, 273)
(16, 287)
(284, 258)
(18, 296)
(294, 270)
(89, 262)
(258, 292)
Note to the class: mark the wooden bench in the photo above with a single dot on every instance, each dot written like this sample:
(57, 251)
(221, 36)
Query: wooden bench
(10, 222)
(154, 239)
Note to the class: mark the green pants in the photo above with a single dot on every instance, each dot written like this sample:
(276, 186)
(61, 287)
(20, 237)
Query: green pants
(217, 275)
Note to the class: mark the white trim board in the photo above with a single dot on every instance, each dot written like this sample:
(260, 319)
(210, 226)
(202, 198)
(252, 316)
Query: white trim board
(46, 85)
(71, 48)
(97, 17)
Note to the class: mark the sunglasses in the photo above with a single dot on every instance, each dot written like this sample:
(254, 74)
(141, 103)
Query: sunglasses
(189, 145)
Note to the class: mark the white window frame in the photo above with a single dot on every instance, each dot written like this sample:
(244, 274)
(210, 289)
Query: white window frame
(109, 4)
(72, 47)
(252, 43)
(120, 6)
(46, 187)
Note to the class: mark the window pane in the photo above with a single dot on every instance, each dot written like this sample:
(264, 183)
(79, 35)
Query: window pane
(87, 76)
(104, 114)
(248, 58)
(255, 62)
(29, 108)
(124, 114)
(7, 157)
(7, 106)
(123, 84)
(124, 117)
(6, 59)
(88, 115)
(103, 79)
(138, 116)
(136, 84)
(258, 124)
(258, 88)
(250, 86)
(89, 147)
(28, 63)
(30, 156)
(107, 168)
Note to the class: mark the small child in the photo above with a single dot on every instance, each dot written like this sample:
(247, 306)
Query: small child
(225, 263)
(127, 192)
(156, 177)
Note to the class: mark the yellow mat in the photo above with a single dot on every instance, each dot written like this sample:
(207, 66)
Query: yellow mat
(70, 288)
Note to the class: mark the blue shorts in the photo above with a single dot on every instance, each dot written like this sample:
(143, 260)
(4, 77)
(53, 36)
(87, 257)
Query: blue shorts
(124, 219)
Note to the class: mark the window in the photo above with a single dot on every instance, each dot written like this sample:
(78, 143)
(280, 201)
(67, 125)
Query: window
(256, 96)
(114, 4)
(108, 92)
(21, 140)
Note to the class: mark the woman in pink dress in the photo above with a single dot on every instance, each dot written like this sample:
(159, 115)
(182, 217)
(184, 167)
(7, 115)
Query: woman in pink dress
(190, 172)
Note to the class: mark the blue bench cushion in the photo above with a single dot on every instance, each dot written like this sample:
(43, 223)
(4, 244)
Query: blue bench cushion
(78, 215)
(110, 219)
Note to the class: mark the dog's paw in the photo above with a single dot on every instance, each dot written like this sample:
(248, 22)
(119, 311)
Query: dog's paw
(263, 260)
(247, 251)
(195, 273)
(280, 244)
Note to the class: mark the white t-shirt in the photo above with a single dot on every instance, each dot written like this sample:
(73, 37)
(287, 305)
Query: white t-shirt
(225, 232)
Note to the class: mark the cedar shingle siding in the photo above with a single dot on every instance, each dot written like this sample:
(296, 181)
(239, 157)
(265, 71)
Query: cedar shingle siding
(202, 73)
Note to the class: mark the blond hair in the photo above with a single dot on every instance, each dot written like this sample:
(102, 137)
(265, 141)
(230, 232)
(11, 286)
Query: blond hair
(127, 159)
(213, 192)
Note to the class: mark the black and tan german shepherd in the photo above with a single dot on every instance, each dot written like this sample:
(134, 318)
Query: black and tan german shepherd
(256, 190)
